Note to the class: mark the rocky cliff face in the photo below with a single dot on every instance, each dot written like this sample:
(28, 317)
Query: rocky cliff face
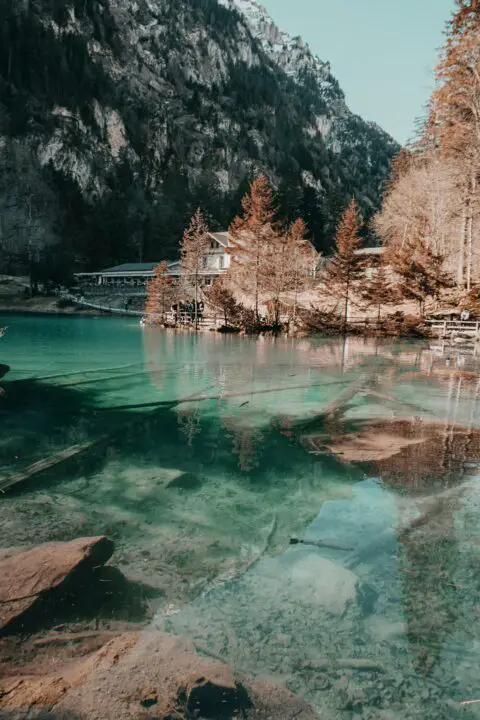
(137, 111)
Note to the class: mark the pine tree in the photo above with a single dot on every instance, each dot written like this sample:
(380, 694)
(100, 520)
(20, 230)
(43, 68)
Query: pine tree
(222, 298)
(195, 243)
(252, 237)
(344, 270)
(161, 292)
(420, 272)
(379, 290)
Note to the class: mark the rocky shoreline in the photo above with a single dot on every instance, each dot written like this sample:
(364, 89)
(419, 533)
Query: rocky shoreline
(54, 663)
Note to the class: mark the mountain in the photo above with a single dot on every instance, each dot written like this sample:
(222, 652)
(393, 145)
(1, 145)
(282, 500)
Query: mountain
(119, 117)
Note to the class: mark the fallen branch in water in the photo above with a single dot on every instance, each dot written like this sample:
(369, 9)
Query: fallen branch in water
(437, 506)
(236, 574)
(47, 463)
(264, 548)
(92, 381)
(90, 371)
(470, 702)
(337, 406)
(320, 543)
(222, 396)
(400, 404)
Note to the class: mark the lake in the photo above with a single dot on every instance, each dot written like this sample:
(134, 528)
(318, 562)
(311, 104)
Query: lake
(204, 457)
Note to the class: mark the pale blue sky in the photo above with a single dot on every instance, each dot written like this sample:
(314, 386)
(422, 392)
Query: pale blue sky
(382, 52)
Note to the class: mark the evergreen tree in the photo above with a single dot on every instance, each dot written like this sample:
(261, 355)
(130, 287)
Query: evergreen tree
(344, 270)
(378, 289)
(219, 296)
(420, 271)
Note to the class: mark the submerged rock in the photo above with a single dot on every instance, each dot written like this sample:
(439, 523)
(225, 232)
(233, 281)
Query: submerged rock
(29, 576)
(325, 582)
(4, 369)
(185, 481)
(151, 675)
(409, 452)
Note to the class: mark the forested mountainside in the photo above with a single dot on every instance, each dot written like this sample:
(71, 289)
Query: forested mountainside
(119, 117)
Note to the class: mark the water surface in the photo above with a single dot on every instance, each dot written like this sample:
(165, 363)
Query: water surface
(202, 458)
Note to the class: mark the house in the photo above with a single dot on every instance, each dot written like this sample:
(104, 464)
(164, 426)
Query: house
(215, 262)
(370, 253)
(133, 277)
(370, 256)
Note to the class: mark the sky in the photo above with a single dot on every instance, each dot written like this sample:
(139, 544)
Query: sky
(382, 52)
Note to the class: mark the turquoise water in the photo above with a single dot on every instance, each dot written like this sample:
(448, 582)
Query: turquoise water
(203, 456)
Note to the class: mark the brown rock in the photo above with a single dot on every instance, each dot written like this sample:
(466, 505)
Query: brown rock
(407, 452)
(29, 576)
(149, 674)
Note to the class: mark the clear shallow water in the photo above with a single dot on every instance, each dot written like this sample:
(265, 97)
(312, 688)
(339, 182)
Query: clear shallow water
(201, 464)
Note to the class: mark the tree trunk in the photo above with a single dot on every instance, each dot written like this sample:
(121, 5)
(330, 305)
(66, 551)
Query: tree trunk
(461, 248)
(473, 187)
(294, 314)
(345, 316)
(257, 270)
(469, 251)
(196, 302)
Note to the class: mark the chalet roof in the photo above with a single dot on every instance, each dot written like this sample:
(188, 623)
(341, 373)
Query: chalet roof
(131, 267)
(370, 251)
(223, 238)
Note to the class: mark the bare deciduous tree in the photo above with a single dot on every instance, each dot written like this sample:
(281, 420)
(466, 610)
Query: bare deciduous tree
(344, 270)
(303, 260)
(161, 293)
(252, 237)
(195, 244)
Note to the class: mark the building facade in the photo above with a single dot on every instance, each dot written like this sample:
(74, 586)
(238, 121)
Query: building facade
(133, 278)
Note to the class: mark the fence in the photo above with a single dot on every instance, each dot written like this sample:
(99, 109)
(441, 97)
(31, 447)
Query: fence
(101, 308)
(184, 318)
(456, 329)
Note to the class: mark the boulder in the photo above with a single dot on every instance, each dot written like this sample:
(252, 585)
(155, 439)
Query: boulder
(324, 582)
(31, 576)
(150, 674)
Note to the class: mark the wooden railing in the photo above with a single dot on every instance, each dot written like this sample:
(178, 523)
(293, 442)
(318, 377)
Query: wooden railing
(101, 308)
(466, 329)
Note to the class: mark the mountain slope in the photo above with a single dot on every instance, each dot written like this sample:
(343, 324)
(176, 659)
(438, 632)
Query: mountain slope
(137, 111)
